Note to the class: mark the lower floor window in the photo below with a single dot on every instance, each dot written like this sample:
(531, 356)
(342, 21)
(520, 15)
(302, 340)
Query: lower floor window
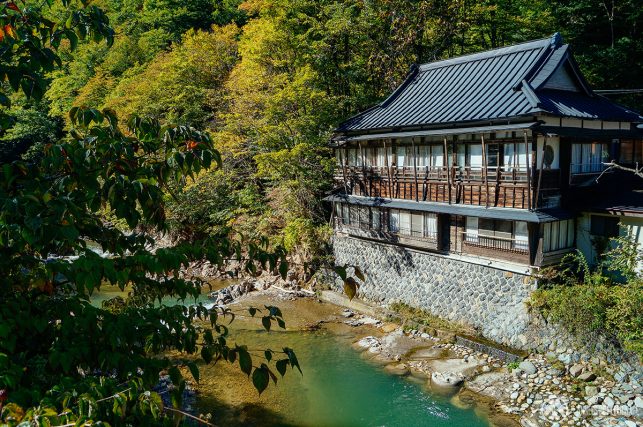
(558, 235)
(497, 233)
(414, 224)
(604, 226)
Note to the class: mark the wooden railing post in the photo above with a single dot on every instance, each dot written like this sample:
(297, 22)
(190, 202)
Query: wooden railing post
(528, 171)
(415, 168)
(540, 174)
(446, 163)
(484, 170)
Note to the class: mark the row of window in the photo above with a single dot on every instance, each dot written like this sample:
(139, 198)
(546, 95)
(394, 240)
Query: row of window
(398, 221)
(586, 157)
(589, 158)
(502, 234)
(509, 155)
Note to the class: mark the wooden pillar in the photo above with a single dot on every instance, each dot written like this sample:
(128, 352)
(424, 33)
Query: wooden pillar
(415, 168)
(344, 162)
(528, 171)
(388, 170)
(361, 155)
(540, 175)
(448, 168)
(484, 170)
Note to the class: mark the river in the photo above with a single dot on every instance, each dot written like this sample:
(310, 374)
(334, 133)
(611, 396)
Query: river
(338, 386)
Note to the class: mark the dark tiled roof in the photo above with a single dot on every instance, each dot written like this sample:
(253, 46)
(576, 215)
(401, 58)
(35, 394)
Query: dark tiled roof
(496, 84)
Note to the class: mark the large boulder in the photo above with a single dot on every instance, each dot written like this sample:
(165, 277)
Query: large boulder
(446, 379)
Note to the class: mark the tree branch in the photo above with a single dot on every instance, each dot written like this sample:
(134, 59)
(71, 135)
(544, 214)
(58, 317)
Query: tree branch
(636, 170)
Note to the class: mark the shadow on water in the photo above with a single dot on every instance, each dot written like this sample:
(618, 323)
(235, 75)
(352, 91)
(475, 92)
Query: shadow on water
(246, 415)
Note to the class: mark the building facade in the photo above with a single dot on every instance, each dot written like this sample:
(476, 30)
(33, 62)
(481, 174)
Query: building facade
(475, 173)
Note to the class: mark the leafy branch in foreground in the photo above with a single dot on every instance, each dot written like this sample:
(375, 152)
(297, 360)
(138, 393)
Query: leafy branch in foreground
(60, 356)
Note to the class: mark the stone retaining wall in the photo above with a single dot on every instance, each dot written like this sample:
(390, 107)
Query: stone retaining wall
(488, 299)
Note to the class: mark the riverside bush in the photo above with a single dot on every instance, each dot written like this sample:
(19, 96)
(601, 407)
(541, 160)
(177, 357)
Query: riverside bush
(604, 301)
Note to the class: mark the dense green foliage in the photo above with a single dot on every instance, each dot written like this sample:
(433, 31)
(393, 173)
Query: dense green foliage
(266, 81)
(606, 301)
(270, 79)
(64, 361)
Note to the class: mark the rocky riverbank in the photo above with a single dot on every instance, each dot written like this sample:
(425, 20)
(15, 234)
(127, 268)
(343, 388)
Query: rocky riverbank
(539, 391)
(551, 389)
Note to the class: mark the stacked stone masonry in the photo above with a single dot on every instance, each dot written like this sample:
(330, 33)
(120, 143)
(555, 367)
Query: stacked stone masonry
(486, 298)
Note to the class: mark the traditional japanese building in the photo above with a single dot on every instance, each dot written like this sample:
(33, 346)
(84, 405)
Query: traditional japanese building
(469, 178)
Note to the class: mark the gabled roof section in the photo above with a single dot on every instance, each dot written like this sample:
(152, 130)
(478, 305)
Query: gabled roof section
(516, 81)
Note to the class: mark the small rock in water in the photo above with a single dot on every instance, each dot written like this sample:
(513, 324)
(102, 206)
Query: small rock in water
(587, 376)
(347, 313)
(446, 379)
(576, 370)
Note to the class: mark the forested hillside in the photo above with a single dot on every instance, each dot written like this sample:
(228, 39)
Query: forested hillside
(269, 79)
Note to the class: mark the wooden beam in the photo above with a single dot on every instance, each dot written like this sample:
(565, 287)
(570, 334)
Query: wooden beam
(344, 161)
(540, 175)
(388, 170)
(484, 170)
(446, 163)
(415, 168)
(361, 154)
(528, 172)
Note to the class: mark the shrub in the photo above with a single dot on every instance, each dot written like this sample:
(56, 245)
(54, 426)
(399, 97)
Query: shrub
(597, 302)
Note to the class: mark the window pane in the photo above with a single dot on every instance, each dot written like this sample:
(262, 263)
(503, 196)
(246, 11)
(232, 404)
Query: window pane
(461, 158)
(475, 155)
(472, 229)
(338, 210)
(562, 235)
(417, 224)
(375, 219)
(521, 235)
(508, 154)
(492, 155)
(437, 156)
(554, 235)
(394, 221)
(577, 157)
(547, 237)
(503, 229)
(405, 222)
(570, 233)
(346, 214)
(604, 226)
(431, 225)
(486, 227)
(364, 219)
(401, 155)
(627, 151)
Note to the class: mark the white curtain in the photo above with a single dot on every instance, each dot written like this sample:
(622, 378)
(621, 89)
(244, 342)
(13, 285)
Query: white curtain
(401, 156)
(475, 156)
(417, 224)
(521, 235)
(375, 219)
(472, 229)
(437, 156)
(394, 221)
(405, 222)
(508, 160)
(431, 224)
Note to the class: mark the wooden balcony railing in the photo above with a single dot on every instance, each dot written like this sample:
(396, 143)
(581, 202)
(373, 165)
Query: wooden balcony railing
(439, 173)
(497, 243)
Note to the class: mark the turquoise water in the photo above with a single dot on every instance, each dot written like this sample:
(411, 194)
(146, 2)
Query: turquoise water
(337, 388)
